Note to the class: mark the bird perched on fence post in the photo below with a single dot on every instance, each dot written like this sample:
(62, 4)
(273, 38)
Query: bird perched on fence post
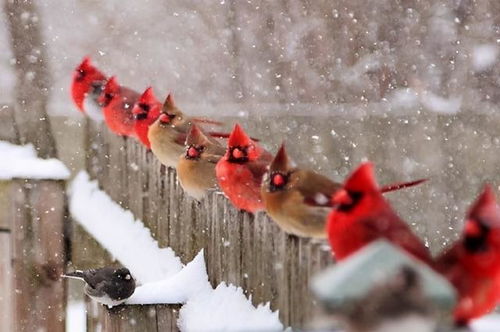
(108, 285)
(168, 133)
(472, 263)
(117, 102)
(86, 87)
(239, 173)
(146, 110)
(298, 200)
(362, 215)
(196, 166)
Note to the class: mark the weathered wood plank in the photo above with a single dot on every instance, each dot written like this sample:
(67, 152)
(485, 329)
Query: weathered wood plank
(38, 255)
(6, 287)
(8, 130)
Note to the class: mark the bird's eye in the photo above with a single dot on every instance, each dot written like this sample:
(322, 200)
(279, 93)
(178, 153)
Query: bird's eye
(144, 107)
(128, 277)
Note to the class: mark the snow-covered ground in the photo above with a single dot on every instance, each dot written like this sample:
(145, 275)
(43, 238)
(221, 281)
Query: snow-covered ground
(162, 276)
(21, 161)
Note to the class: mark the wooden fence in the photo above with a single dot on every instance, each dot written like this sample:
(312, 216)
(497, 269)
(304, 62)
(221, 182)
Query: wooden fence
(240, 248)
(32, 255)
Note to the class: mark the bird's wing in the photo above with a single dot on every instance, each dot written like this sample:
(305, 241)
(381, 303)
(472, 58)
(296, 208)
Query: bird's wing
(387, 224)
(95, 276)
(257, 167)
(315, 188)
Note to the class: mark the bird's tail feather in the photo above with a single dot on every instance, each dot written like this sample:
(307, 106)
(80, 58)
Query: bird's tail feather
(397, 186)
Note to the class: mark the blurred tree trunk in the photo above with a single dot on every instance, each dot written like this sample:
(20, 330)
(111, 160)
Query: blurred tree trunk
(33, 79)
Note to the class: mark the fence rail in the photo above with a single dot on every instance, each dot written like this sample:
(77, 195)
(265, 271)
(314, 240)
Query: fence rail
(247, 250)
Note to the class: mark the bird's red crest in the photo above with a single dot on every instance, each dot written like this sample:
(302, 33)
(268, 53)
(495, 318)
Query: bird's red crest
(84, 75)
(485, 208)
(362, 179)
(238, 137)
(112, 85)
(148, 96)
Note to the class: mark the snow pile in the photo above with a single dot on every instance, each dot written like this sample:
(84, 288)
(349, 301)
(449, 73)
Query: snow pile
(21, 161)
(490, 323)
(440, 104)
(160, 272)
(226, 309)
(76, 316)
(191, 280)
(118, 232)
(484, 56)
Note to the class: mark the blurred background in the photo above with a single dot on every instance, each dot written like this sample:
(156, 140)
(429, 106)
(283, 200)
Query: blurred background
(412, 85)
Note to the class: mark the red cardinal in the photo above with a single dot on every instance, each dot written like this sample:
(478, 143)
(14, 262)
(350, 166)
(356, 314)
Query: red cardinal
(117, 102)
(239, 173)
(472, 264)
(362, 215)
(145, 111)
(86, 87)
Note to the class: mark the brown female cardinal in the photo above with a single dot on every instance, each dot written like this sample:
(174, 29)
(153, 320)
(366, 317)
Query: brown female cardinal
(196, 167)
(145, 111)
(472, 264)
(168, 133)
(117, 102)
(362, 215)
(240, 171)
(86, 87)
(298, 200)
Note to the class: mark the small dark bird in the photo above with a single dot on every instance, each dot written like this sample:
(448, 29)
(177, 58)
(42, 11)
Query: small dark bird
(109, 285)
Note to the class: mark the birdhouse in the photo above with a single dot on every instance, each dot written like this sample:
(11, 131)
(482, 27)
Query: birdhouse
(381, 284)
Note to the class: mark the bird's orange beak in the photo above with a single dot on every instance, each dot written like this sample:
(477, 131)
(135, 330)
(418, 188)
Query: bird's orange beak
(341, 197)
(472, 228)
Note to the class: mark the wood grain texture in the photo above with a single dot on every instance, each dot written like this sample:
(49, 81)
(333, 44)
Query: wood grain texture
(38, 254)
(247, 250)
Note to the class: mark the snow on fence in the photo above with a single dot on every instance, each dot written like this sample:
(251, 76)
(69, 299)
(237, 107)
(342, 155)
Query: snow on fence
(245, 250)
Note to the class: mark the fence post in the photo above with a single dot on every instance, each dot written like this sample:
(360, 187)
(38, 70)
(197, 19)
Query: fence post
(36, 211)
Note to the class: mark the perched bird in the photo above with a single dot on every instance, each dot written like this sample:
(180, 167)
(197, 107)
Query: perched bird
(168, 133)
(146, 110)
(108, 285)
(86, 87)
(362, 215)
(472, 263)
(117, 102)
(196, 166)
(239, 173)
(298, 200)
